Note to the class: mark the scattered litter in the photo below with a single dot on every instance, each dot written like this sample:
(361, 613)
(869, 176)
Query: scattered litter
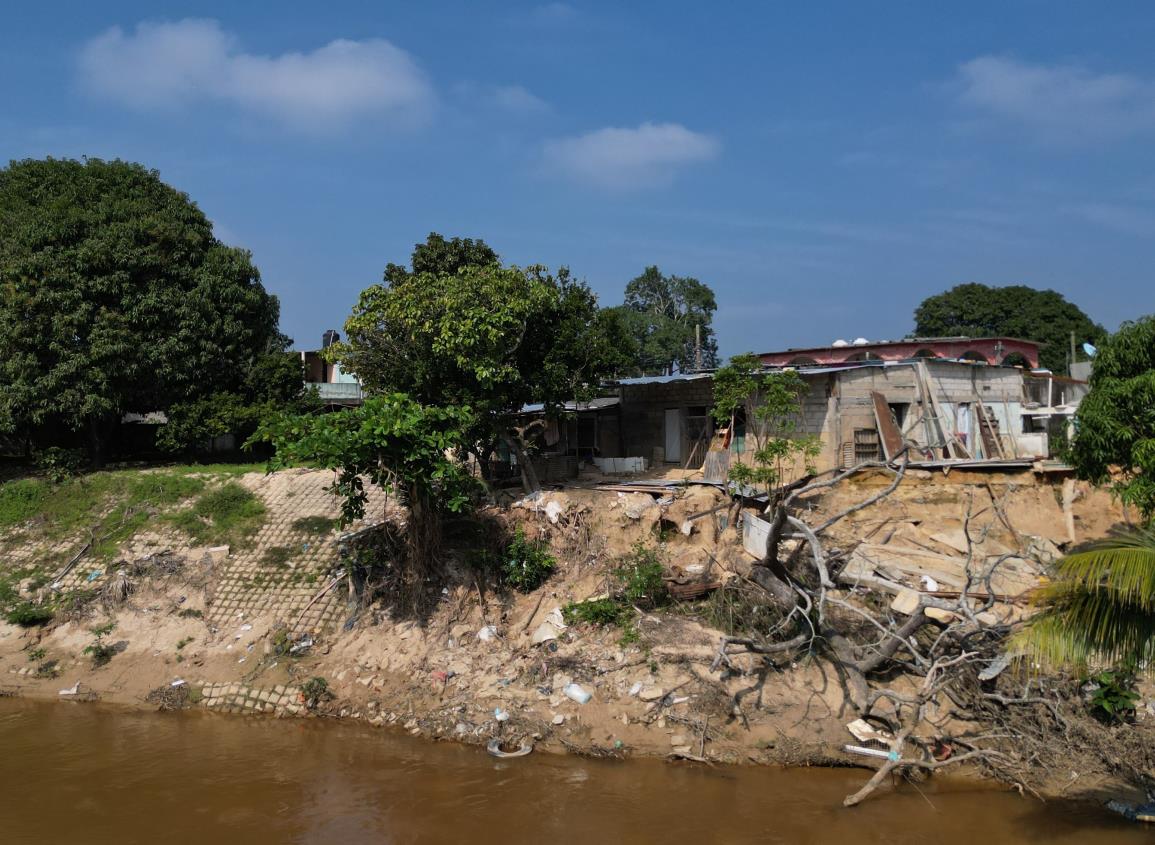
(246, 627)
(576, 693)
(72, 690)
(1141, 813)
(636, 688)
(559, 719)
(501, 715)
(995, 668)
(544, 633)
(553, 510)
(301, 645)
(929, 584)
(93, 575)
(555, 618)
(872, 752)
(494, 748)
(487, 633)
(863, 731)
(179, 682)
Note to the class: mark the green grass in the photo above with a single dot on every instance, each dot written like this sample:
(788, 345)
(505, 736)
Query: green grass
(227, 514)
(276, 557)
(314, 524)
(21, 500)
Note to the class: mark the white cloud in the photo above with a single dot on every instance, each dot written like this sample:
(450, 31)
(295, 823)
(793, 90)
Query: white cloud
(168, 65)
(616, 158)
(515, 98)
(1063, 103)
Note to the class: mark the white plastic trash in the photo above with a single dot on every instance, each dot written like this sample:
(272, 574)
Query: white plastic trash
(501, 715)
(487, 633)
(576, 693)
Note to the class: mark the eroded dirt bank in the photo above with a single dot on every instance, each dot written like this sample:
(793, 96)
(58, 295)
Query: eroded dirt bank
(247, 629)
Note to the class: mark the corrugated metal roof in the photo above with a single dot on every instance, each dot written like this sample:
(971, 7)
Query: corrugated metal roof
(665, 379)
(592, 405)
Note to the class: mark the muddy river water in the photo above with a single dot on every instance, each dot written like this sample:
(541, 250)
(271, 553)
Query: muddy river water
(84, 773)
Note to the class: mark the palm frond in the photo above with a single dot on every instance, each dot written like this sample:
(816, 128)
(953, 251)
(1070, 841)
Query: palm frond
(1100, 608)
(1123, 565)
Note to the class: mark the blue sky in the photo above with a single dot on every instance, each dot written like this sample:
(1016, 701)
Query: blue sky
(823, 166)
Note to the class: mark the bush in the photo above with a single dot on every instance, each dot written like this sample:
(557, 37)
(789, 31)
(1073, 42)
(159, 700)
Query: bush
(315, 691)
(638, 578)
(1115, 697)
(526, 564)
(100, 651)
(604, 611)
(58, 464)
(29, 615)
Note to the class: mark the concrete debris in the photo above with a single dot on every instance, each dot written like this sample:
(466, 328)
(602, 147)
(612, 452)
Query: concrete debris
(652, 694)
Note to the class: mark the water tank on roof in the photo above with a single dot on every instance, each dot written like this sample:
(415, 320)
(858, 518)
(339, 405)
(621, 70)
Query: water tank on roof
(861, 341)
(839, 343)
(329, 338)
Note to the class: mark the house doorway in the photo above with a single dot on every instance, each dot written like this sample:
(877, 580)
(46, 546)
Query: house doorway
(674, 435)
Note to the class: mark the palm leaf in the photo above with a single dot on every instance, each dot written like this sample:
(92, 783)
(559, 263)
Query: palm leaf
(1124, 565)
(1100, 609)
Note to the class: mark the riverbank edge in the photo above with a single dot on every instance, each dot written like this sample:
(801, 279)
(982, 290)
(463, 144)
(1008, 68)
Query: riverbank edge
(1094, 797)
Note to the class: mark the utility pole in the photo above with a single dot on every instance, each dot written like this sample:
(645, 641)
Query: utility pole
(698, 346)
(1072, 360)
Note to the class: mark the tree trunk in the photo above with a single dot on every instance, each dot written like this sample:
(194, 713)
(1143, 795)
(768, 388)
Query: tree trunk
(528, 474)
(95, 442)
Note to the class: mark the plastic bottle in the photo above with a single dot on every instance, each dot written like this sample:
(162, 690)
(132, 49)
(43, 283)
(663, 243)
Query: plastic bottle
(576, 693)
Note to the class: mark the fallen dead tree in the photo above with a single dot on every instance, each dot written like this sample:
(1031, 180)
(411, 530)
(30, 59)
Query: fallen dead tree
(925, 665)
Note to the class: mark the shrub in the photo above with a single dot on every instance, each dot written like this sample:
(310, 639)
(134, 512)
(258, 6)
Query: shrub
(604, 611)
(1115, 697)
(28, 615)
(100, 651)
(638, 578)
(526, 564)
(315, 691)
(58, 464)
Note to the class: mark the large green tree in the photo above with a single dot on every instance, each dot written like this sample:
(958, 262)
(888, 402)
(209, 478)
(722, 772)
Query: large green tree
(666, 315)
(482, 335)
(394, 442)
(1115, 425)
(978, 310)
(1100, 604)
(118, 298)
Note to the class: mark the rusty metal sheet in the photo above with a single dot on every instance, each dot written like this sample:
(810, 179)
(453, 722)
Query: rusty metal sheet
(891, 436)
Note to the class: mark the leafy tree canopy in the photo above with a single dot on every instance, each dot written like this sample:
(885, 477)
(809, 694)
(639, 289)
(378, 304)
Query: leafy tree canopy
(117, 297)
(481, 335)
(977, 310)
(1115, 424)
(663, 314)
(769, 404)
(438, 255)
(394, 442)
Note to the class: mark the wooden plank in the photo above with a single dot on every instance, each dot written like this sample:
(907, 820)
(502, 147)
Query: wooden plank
(891, 437)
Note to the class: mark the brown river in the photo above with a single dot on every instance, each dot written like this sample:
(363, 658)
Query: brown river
(77, 773)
